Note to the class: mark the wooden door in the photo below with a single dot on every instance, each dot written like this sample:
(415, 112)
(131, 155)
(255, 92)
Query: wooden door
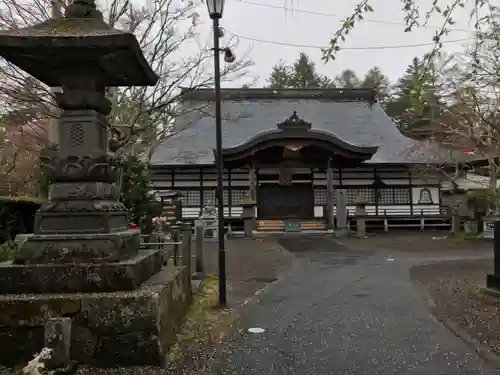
(285, 202)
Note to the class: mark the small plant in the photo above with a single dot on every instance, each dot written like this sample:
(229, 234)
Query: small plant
(38, 362)
(7, 250)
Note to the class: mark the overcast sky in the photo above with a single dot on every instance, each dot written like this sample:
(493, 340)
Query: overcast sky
(264, 26)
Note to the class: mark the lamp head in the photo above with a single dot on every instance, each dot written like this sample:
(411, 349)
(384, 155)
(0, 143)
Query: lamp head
(215, 8)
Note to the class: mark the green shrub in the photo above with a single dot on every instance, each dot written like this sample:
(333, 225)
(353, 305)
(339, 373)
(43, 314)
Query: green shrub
(483, 200)
(7, 250)
(17, 215)
(137, 193)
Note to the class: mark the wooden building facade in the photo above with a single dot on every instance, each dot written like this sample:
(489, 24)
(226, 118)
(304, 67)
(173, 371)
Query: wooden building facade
(288, 150)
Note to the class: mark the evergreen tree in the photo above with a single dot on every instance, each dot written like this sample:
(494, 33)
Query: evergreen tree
(413, 98)
(375, 79)
(301, 74)
(347, 79)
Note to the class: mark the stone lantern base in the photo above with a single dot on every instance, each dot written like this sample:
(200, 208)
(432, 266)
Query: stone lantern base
(107, 329)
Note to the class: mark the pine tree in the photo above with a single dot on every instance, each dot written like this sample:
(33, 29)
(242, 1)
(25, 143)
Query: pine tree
(301, 74)
(375, 79)
(413, 99)
(347, 79)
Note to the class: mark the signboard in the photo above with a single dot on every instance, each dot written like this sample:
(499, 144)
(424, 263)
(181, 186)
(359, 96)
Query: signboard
(489, 227)
(292, 226)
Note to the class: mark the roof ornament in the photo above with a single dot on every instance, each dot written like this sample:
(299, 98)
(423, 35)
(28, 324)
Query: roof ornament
(294, 122)
(83, 9)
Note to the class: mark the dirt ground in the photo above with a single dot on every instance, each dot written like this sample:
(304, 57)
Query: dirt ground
(455, 295)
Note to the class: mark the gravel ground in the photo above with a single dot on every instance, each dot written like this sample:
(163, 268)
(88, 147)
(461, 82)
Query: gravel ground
(453, 288)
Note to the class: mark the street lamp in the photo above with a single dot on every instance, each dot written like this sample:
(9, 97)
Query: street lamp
(215, 9)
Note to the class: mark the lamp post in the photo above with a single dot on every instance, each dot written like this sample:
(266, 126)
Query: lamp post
(215, 9)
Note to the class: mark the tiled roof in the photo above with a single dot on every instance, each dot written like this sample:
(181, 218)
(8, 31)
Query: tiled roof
(350, 115)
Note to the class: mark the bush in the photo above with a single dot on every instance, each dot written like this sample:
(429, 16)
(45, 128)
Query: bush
(137, 193)
(483, 200)
(7, 250)
(17, 215)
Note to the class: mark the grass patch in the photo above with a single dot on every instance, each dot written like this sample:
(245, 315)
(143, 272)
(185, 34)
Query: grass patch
(466, 237)
(205, 322)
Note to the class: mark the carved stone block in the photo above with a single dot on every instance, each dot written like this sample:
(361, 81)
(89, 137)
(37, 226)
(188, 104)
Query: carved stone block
(79, 277)
(83, 168)
(90, 248)
(83, 132)
(83, 191)
(80, 222)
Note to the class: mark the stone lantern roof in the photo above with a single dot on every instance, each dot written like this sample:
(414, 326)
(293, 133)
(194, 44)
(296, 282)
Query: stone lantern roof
(81, 41)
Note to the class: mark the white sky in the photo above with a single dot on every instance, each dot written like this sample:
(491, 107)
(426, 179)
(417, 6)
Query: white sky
(283, 24)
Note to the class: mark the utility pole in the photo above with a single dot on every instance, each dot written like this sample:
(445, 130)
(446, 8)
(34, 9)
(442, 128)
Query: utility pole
(54, 115)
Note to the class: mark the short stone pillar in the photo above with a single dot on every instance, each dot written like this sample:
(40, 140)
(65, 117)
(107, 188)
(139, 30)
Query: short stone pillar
(175, 236)
(187, 256)
(58, 338)
(248, 216)
(341, 228)
(493, 281)
(361, 214)
(198, 230)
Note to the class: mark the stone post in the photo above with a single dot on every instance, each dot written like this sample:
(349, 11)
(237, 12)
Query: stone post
(58, 338)
(199, 247)
(187, 256)
(493, 280)
(175, 231)
(248, 216)
(341, 213)
(361, 204)
(329, 195)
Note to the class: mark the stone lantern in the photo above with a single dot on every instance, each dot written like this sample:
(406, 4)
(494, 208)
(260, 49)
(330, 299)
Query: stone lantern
(81, 240)
(81, 281)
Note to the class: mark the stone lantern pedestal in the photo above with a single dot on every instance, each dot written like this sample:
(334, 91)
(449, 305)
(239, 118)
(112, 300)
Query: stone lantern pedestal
(248, 216)
(82, 261)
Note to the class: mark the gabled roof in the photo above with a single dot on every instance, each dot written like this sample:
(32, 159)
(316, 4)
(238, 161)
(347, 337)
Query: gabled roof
(350, 115)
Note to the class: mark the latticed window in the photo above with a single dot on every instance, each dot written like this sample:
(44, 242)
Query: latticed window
(394, 196)
(190, 198)
(319, 196)
(209, 197)
(226, 197)
(353, 193)
(238, 196)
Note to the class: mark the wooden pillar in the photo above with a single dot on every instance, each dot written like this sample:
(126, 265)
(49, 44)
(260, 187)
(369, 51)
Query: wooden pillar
(329, 195)
(252, 193)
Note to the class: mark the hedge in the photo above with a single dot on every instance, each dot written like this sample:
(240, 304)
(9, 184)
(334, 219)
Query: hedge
(17, 215)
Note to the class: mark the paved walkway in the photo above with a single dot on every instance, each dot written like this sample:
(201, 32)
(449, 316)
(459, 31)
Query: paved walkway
(343, 311)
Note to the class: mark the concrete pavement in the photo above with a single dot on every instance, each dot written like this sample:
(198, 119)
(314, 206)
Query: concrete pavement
(344, 311)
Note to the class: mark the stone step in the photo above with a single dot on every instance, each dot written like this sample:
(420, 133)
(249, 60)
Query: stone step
(279, 225)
